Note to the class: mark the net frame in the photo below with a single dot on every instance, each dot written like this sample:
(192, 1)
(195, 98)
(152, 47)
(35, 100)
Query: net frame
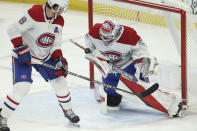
(183, 30)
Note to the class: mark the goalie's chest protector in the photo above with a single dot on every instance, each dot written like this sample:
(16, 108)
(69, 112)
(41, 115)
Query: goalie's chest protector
(119, 51)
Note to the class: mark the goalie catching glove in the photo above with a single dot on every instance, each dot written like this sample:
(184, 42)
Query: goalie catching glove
(145, 66)
(99, 60)
(62, 65)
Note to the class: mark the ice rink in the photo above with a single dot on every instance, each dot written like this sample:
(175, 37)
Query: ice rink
(40, 111)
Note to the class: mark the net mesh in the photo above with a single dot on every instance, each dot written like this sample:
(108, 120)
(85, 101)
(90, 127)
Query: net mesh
(161, 32)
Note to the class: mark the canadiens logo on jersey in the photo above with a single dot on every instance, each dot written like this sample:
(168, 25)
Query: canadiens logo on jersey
(114, 56)
(46, 40)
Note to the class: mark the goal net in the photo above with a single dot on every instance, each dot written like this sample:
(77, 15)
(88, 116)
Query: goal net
(168, 31)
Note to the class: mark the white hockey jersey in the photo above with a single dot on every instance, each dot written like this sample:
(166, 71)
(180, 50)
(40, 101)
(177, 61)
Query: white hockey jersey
(128, 48)
(42, 35)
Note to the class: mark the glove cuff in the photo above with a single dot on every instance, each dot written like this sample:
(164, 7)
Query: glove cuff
(21, 49)
(17, 42)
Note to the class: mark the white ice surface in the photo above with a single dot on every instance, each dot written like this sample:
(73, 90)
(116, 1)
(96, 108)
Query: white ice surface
(40, 111)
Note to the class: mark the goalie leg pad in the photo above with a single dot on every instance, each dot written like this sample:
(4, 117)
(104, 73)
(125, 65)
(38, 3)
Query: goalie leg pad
(147, 99)
(172, 102)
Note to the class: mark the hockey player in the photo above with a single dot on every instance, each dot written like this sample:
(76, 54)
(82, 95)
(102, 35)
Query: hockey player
(37, 35)
(110, 42)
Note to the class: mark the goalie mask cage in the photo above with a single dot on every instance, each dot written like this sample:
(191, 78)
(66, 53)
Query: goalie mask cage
(150, 20)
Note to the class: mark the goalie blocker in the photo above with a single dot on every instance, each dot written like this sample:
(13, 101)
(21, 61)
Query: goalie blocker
(149, 93)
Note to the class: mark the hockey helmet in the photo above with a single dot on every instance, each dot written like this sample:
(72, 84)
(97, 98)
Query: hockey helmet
(61, 4)
(110, 31)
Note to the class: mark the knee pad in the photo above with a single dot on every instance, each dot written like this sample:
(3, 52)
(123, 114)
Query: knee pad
(62, 92)
(20, 89)
(114, 100)
(60, 85)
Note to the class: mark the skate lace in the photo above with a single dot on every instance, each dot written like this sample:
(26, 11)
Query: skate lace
(70, 113)
(3, 122)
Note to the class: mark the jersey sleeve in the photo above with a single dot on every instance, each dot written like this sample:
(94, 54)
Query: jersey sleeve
(92, 36)
(56, 48)
(89, 42)
(140, 50)
(16, 30)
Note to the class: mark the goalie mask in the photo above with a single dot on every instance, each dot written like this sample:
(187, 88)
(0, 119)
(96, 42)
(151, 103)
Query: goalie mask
(110, 31)
(58, 6)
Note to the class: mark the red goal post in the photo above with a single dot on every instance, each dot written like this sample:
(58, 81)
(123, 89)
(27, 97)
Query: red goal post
(160, 7)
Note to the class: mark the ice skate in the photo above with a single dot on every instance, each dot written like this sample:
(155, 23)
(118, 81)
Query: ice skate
(70, 115)
(3, 123)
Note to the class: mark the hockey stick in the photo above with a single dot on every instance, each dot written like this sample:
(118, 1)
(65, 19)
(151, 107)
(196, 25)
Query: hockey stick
(80, 46)
(35, 61)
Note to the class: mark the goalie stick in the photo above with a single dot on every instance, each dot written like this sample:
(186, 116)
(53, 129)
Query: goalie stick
(80, 46)
(141, 94)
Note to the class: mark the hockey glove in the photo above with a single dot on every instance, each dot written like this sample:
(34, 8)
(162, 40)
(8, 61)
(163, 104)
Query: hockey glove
(145, 66)
(62, 65)
(23, 53)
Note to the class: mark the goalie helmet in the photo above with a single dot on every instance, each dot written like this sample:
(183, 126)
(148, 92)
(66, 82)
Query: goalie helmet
(110, 31)
(59, 4)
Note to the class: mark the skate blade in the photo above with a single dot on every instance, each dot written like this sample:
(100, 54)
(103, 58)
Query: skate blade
(77, 125)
